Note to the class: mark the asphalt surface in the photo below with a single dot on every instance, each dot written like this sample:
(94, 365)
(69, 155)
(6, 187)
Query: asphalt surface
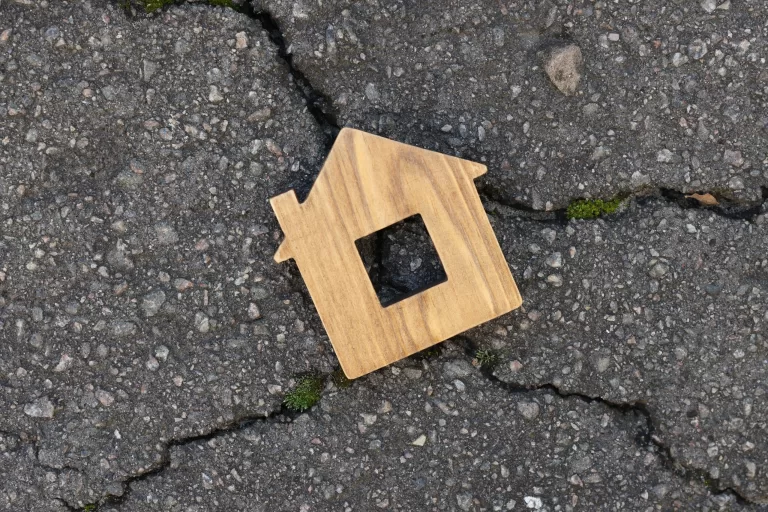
(148, 340)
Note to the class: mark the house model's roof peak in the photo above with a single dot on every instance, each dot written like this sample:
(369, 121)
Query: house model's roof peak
(351, 144)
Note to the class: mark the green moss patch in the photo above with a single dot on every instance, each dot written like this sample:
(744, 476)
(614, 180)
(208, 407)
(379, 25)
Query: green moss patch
(154, 5)
(151, 6)
(486, 358)
(306, 393)
(591, 208)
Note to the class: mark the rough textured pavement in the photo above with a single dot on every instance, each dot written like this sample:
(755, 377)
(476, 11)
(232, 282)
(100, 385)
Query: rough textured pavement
(672, 94)
(148, 339)
(139, 302)
(427, 435)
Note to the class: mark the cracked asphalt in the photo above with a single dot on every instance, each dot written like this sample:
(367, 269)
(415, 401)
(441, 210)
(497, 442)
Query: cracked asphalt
(147, 338)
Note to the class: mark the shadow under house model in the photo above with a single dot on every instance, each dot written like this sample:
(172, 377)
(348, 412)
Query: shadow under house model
(366, 184)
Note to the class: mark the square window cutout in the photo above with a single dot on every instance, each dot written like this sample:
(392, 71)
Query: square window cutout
(401, 260)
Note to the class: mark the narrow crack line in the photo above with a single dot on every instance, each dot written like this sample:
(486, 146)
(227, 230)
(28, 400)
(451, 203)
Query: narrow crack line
(728, 209)
(280, 415)
(317, 102)
(647, 439)
(637, 408)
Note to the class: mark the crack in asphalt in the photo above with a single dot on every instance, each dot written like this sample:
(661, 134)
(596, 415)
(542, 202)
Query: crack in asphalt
(727, 208)
(321, 107)
(317, 103)
(280, 415)
(648, 438)
(746, 211)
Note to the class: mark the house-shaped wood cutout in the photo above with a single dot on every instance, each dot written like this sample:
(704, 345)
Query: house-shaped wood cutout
(366, 184)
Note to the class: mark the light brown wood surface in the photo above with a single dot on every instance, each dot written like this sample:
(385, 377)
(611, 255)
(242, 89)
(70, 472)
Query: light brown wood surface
(366, 184)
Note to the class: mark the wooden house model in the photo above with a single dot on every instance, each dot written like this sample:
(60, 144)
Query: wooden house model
(367, 184)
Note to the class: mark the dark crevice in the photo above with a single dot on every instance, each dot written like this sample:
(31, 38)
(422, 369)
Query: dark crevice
(492, 197)
(647, 438)
(392, 287)
(730, 209)
(317, 103)
(727, 208)
(280, 415)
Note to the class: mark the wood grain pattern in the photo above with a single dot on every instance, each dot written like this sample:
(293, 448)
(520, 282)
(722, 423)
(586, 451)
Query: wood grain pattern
(366, 184)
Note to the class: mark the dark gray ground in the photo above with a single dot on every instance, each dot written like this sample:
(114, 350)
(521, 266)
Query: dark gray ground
(148, 339)
(672, 93)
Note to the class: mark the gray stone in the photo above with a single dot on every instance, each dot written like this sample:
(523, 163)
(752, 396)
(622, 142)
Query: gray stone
(529, 410)
(555, 260)
(708, 5)
(152, 302)
(564, 68)
(697, 49)
(733, 158)
(40, 408)
(457, 368)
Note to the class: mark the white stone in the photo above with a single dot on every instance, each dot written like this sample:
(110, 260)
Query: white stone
(40, 408)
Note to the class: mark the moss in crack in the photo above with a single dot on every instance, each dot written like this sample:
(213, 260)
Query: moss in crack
(91, 507)
(151, 6)
(429, 353)
(591, 208)
(486, 358)
(340, 379)
(306, 393)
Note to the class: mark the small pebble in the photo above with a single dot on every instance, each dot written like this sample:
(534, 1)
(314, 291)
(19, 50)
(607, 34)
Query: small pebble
(40, 408)
(241, 40)
(529, 410)
(202, 323)
(152, 364)
(697, 49)
(152, 302)
(214, 95)
(555, 260)
(658, 270)
(161, 353)
(105, 398)
(564, 67)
